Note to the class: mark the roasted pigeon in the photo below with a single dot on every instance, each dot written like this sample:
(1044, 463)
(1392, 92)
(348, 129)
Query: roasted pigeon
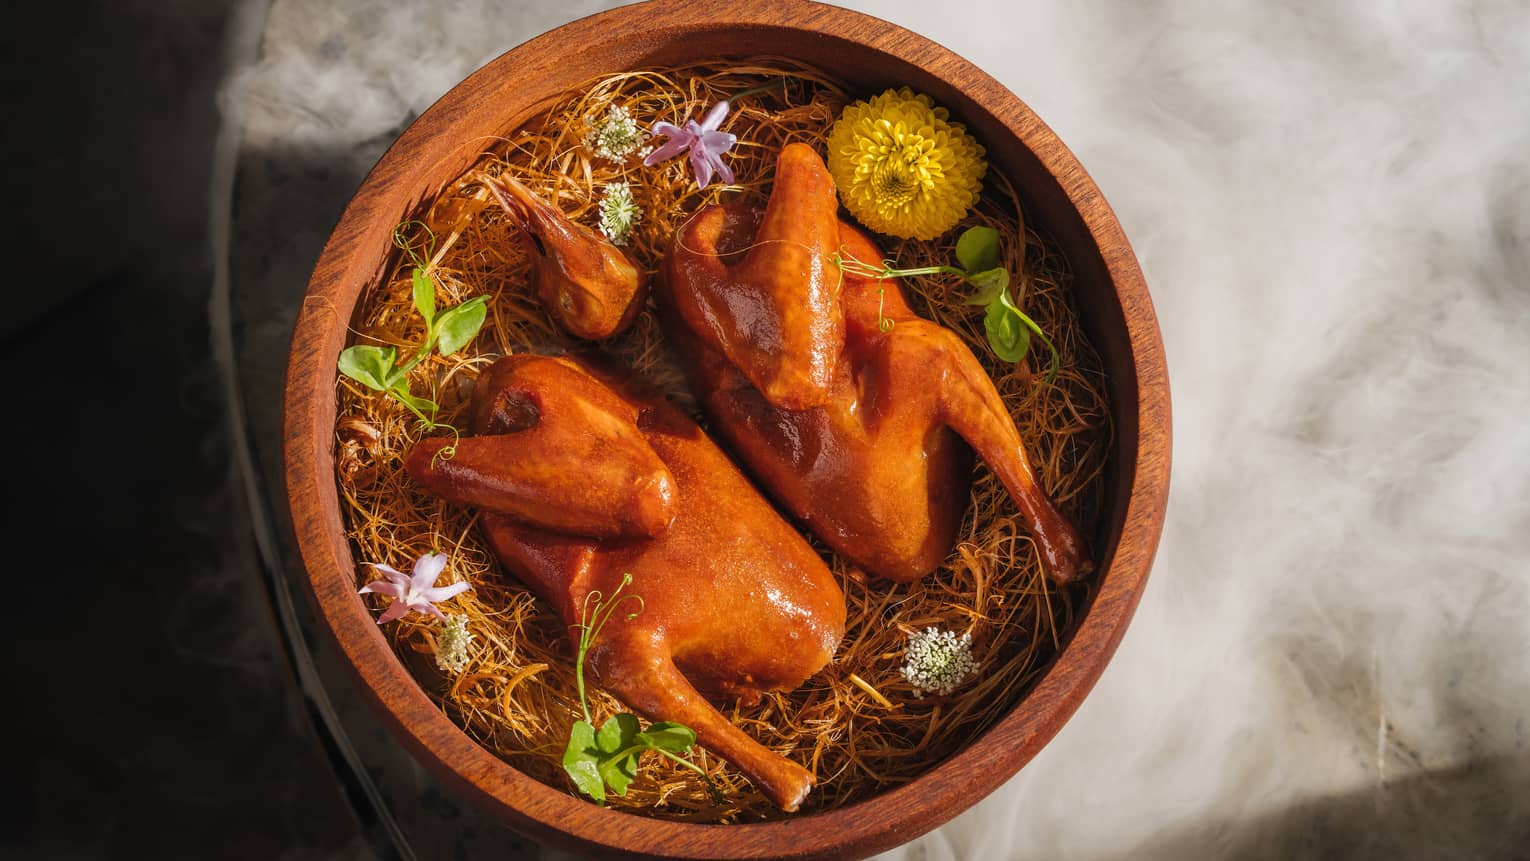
(881, 467)
(583, 477)
(589, 286)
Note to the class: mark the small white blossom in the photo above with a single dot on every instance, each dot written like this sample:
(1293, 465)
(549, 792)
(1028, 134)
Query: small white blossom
(452, 644)
(619, 213)
(615, 136)
(937, 661)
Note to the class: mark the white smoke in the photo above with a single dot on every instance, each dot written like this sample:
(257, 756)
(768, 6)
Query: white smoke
(1332, 206)
(337, 73)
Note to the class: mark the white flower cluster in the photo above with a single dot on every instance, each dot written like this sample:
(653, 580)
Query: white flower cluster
(452, 644)
(616, 136)
(937, 661)
(619, 213)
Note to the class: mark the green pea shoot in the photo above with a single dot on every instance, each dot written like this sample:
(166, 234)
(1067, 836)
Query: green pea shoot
(606, 759)
(446, 332)
(1008, 328)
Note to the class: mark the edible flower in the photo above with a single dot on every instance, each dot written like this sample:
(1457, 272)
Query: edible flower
(619, 213)
(615, 136)
(418, 593)
(452, 645)
(902, 167)
(937, 661)
(705, 143)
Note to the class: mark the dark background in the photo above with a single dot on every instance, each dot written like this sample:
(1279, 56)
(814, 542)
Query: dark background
(154, 711)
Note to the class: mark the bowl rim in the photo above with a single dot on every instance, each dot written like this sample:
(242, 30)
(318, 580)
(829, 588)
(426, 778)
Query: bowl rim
(884, 820)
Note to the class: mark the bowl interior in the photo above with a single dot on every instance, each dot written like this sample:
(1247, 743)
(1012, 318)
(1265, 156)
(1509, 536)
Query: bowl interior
(1059, 199)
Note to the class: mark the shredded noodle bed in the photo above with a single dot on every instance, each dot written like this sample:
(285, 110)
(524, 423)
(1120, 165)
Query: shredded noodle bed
(856, 724)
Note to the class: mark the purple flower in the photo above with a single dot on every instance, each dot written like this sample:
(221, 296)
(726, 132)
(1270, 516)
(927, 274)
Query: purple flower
(705, 142)
(418, 593)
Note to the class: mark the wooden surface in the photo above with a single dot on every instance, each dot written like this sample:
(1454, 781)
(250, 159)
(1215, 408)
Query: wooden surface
(870, 54)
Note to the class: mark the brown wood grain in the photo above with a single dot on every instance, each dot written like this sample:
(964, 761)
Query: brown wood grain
(870, 54)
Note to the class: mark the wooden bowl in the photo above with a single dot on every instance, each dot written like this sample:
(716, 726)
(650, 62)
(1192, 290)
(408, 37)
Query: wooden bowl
(869, 54)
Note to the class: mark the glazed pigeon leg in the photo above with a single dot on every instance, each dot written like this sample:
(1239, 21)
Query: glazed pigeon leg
(877, 471)
(918, 355)
(775, 314)
(587, 284)
(660, 688)
(734, 601)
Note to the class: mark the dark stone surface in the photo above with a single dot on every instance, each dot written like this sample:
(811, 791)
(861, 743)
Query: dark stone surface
(286, 201)
(155, 713)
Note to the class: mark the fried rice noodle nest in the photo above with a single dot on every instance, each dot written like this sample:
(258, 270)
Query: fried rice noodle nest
(856, 724)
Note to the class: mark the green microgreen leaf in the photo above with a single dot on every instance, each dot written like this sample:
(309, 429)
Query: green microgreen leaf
(977, 249)
(617, 733)
(581, 762)
(420, 405)
(457, 326)
(665, 735)
(1056, 363)
(1007, 333)
(989, 283)
(424, 296)
(371, 366)
(398, 378)
(378, 367)
(618, 771)
(609, 758)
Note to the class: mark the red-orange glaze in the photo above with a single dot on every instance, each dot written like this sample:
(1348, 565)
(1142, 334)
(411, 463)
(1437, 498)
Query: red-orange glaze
(880, 471)
(593, 473)
(591, 287)
(734, 600)
(774, 313)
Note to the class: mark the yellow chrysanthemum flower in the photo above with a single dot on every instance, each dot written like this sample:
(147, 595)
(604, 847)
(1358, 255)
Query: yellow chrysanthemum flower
(902, 167)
